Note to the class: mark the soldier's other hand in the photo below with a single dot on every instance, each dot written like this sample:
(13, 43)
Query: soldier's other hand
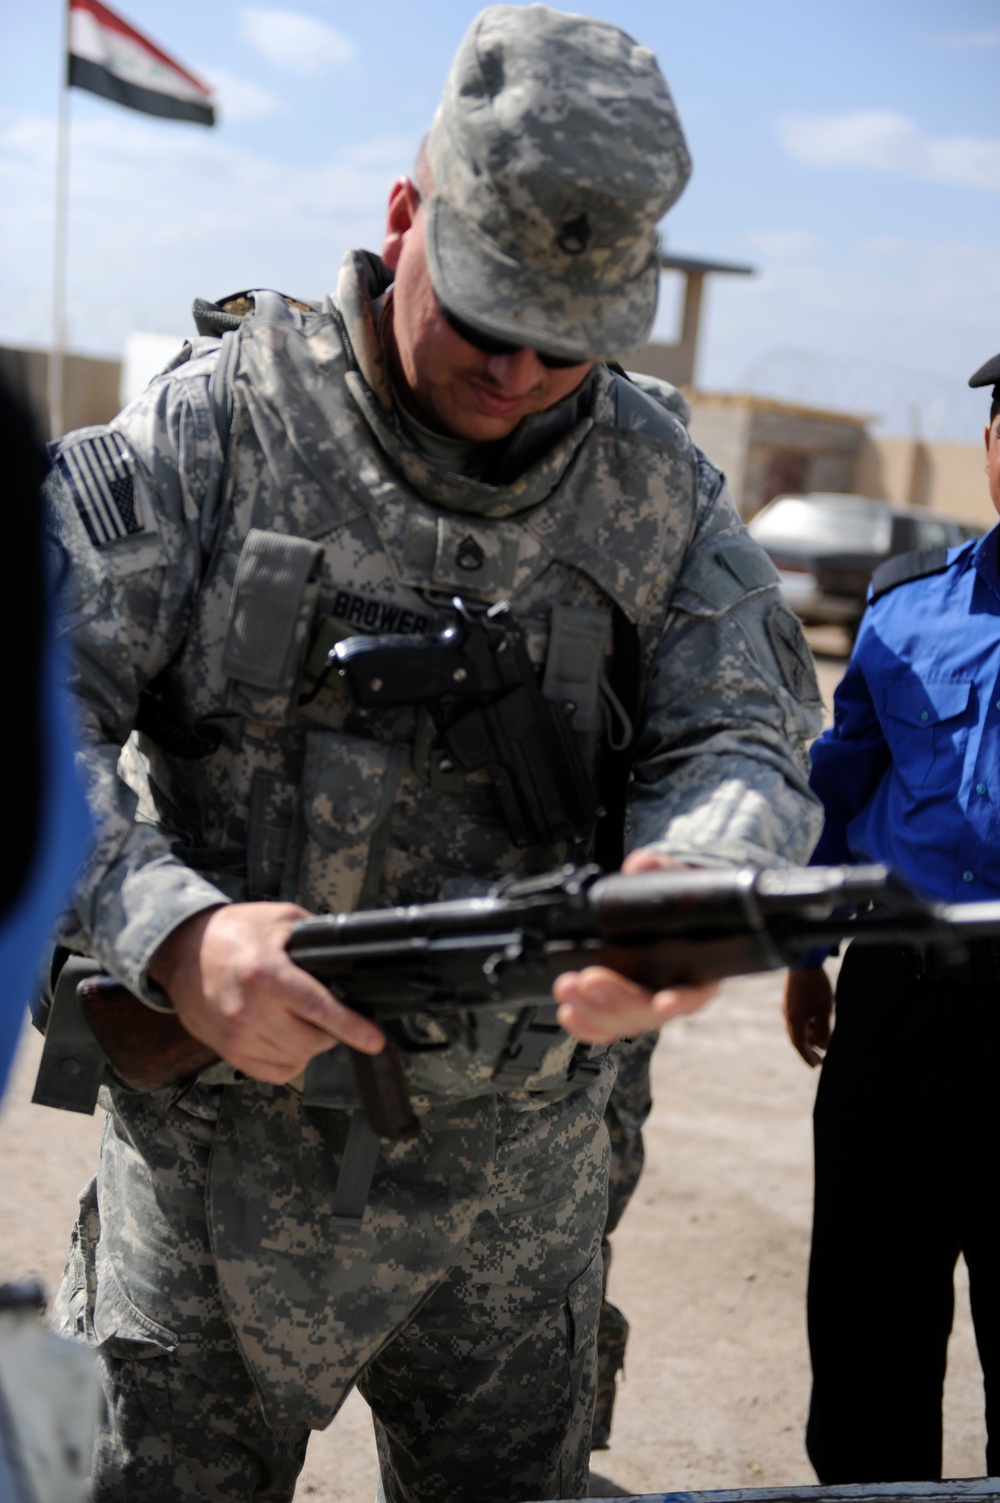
(233, 986)
(597, 1005)
(808, 1008)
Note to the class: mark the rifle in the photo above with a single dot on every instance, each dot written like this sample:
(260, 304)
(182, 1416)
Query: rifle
(447, 959)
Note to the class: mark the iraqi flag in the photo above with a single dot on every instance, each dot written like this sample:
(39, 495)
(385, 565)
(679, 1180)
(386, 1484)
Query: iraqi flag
(109, 57)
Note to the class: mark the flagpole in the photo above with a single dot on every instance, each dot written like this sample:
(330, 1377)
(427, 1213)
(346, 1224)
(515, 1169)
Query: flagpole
(56, 361)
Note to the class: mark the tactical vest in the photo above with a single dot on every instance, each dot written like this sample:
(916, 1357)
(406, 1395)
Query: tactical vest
(330, 519)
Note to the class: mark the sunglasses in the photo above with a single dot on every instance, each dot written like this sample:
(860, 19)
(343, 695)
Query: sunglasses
(490, 346)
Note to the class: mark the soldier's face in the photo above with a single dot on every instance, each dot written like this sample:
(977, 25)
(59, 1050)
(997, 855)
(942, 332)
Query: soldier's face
(993, 461)
(446, 382)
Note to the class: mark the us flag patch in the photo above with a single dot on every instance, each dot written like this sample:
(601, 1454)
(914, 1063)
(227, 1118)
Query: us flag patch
(100, 476)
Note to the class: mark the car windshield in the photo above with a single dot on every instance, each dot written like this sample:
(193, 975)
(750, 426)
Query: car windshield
(823, 525)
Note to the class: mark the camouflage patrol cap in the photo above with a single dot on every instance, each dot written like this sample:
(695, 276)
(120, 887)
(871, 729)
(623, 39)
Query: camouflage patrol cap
(554, 152)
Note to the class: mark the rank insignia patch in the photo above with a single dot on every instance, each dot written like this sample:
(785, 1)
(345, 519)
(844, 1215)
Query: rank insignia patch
(100, 477)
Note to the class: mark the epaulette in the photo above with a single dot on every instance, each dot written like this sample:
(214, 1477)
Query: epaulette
(905, 567)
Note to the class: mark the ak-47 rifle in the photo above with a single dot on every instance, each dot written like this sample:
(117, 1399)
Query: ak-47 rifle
(661, 929)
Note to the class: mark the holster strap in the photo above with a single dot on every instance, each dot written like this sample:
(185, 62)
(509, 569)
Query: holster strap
(357, 1169)
(531, 1038)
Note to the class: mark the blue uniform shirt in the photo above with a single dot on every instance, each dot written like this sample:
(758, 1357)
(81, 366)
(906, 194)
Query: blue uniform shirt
(909, 772)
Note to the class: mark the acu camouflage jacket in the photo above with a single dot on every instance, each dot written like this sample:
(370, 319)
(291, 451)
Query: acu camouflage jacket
(201, 574)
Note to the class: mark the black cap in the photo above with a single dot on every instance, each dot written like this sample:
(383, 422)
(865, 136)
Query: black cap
(988, 374)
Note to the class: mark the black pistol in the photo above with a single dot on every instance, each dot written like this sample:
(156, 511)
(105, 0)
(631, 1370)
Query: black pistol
(483, 694)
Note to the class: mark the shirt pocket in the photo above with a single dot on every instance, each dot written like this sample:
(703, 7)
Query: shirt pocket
(927, 727)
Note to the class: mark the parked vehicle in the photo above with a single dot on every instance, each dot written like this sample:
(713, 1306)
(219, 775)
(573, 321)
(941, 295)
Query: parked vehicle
(825, 547)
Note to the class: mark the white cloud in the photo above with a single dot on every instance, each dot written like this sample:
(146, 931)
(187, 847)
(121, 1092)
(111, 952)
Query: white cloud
(298, 43)
(888, 142)
(884, 246)
(162, 213)
(973, 41)
(239, 99)
(786, 245)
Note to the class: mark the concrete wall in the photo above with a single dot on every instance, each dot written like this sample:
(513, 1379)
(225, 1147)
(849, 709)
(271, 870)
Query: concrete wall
(769, 448)
(797, 448)
(668, 362)
(674, 362)
(721, 428)
(946, 478)
(90, 387)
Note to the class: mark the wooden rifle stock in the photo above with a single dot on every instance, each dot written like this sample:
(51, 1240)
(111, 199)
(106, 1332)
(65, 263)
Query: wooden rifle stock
(151, 1051)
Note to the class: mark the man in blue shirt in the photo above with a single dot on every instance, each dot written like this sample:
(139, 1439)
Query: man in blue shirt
(907, 1120)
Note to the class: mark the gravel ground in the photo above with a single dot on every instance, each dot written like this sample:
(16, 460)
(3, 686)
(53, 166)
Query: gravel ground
(709, 1264)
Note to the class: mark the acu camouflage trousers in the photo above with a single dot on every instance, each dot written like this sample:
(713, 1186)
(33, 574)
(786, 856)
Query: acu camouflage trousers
(232, 1312)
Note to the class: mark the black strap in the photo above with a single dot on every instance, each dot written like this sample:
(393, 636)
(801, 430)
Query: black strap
(906, 567)
(531, 1038)
(357, 1169)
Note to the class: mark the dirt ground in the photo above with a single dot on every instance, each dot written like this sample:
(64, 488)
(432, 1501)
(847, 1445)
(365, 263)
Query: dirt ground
(709, 1267)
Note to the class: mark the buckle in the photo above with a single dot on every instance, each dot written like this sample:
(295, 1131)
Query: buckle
(530, 1040)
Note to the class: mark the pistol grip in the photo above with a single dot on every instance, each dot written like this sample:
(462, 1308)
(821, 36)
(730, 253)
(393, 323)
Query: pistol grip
(384, 1094)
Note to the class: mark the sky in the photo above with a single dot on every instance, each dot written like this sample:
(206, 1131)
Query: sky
(849, 151)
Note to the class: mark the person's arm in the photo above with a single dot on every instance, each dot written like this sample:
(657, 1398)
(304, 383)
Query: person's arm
(807, 1006)
(848, 762)
(233, 986)
(721, 770)
(597, 1005)
(721, 775)
(126, 507)
(167, 932)
(850, 759)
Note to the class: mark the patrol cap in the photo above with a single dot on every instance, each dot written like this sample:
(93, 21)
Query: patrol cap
(989, 375)
(555, 151)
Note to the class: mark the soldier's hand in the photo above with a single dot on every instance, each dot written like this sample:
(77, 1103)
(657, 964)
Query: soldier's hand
(808, 1007)
(233, 986)
(597, 1005)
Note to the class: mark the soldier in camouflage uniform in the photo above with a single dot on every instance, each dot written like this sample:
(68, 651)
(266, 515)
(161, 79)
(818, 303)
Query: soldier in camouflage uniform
(443, 426)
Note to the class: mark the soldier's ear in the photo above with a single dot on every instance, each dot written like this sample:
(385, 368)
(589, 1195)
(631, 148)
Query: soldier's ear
(404, 201)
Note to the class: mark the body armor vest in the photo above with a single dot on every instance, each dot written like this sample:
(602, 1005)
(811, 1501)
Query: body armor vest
(330, 515)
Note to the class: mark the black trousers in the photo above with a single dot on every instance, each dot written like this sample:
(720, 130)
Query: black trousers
(907, 1140)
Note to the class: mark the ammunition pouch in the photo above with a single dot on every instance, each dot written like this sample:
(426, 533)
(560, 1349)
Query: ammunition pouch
(71, 1069)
